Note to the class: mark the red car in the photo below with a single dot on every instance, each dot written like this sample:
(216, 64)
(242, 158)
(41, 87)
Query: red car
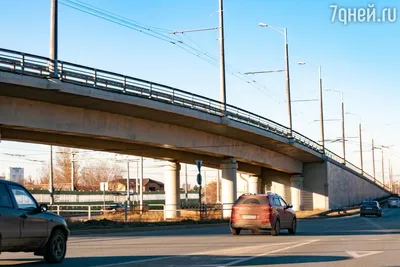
(257, 212)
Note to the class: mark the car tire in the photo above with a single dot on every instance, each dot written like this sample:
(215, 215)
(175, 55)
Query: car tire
(235, 231)
(277, 228)
(56, 247)
(292, 230)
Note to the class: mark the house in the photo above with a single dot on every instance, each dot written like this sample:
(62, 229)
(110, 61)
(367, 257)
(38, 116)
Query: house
(149, 185)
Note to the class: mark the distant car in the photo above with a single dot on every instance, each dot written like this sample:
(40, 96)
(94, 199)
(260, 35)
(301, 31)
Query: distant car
(27, 227)
(370, 208)
(257, 212)
(113, 208)
(394, 202)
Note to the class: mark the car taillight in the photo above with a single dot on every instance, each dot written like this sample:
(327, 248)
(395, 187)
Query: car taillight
(234, 213)
(265, 214)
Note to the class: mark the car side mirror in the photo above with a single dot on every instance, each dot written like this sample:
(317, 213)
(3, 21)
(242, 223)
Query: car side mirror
(289, 206)
(43, 207)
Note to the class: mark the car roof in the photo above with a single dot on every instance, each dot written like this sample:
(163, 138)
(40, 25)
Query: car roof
(10, 182)
(268, 194)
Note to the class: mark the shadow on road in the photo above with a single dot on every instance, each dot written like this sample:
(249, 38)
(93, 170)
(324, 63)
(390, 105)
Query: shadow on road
(166, 260)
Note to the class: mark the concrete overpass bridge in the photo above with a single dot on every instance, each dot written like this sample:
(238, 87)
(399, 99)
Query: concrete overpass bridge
(94, 109)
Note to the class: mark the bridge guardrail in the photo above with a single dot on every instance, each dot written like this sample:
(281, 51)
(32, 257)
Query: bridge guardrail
(34, 65)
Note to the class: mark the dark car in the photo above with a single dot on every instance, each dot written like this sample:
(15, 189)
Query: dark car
(257, 212)
(370, 208)
(27, 227)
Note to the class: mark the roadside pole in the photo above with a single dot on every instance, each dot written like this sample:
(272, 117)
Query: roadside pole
(199, 178)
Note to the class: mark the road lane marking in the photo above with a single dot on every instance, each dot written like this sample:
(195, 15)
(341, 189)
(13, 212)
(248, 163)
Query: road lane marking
(194, 254)
(360, 254)
(135, 261)
(267, 253)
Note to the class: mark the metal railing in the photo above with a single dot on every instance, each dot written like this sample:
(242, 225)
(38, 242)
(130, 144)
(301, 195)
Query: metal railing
(33, 65)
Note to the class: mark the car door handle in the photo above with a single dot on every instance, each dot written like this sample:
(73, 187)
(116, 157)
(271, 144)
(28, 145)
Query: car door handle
(23, 216)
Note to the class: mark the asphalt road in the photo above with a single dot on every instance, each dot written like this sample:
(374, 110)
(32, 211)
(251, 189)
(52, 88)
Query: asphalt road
(346, 241)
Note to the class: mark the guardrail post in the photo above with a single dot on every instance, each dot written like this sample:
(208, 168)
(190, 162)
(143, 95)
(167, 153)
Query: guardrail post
(23, 62)
(89, 213)
(150, 92)
(58, 209)
(173, 95)
(124, 84)
(95, 78)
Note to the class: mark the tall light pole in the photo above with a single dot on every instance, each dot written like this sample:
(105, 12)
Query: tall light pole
(54, 38)
(51, 178)
(373, 159)
(289, 102)
(343, 125)
(222, 55)
(73, 170)
(360, 138)
(321, 106)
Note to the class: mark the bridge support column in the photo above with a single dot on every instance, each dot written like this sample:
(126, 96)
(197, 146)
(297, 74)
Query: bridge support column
(254, 182)
(296, 191)
(229, 187)
(172, 189)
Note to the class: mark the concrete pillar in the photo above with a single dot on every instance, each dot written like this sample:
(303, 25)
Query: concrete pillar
(254, 184)
(172, 189)
(229, 188)
(296, 191)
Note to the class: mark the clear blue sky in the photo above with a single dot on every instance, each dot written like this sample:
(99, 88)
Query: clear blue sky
(360, 59)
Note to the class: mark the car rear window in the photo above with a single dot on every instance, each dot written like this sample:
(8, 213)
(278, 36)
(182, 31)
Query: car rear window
(369, 203)
(252, 201)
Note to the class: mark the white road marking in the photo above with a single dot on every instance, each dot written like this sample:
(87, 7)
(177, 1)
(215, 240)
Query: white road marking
(194, 254)
(136, 261)
(360, 254)
(267, 253)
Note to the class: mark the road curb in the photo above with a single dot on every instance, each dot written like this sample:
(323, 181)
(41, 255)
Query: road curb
(145, 229)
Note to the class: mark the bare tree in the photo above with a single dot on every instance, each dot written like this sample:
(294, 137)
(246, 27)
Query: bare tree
(99, 171)
(211, 192)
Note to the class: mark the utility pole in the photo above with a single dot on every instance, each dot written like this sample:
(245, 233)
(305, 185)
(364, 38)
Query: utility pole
(218, 179)
(205, 187)
(54, 38)
(222, 55)
(361, 151)
(72, 170)
(288, 84)
(137, 177)
(343, 133)
(128, 191)
(383, 170)
(141, 185)
(51, 179)
(373, 158)
(321, 111)
(186, 185)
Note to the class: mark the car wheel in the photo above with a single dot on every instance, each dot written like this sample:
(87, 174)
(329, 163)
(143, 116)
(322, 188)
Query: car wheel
(235, 231)
(56, 247)
(294, 227)
(277, 228)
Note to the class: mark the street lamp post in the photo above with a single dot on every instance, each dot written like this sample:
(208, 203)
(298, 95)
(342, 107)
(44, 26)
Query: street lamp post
(321, 105)
(360, 138)
(289, 105)
(54, 38)
(343, 125)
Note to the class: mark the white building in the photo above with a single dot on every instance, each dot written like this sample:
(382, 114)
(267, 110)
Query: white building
(16, 174)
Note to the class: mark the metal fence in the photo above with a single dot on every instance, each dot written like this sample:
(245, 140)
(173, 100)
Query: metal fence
(33, 65)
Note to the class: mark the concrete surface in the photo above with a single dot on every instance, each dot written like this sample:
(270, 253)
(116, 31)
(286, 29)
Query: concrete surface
(38, 116)
(349, 241)
(54, 91)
